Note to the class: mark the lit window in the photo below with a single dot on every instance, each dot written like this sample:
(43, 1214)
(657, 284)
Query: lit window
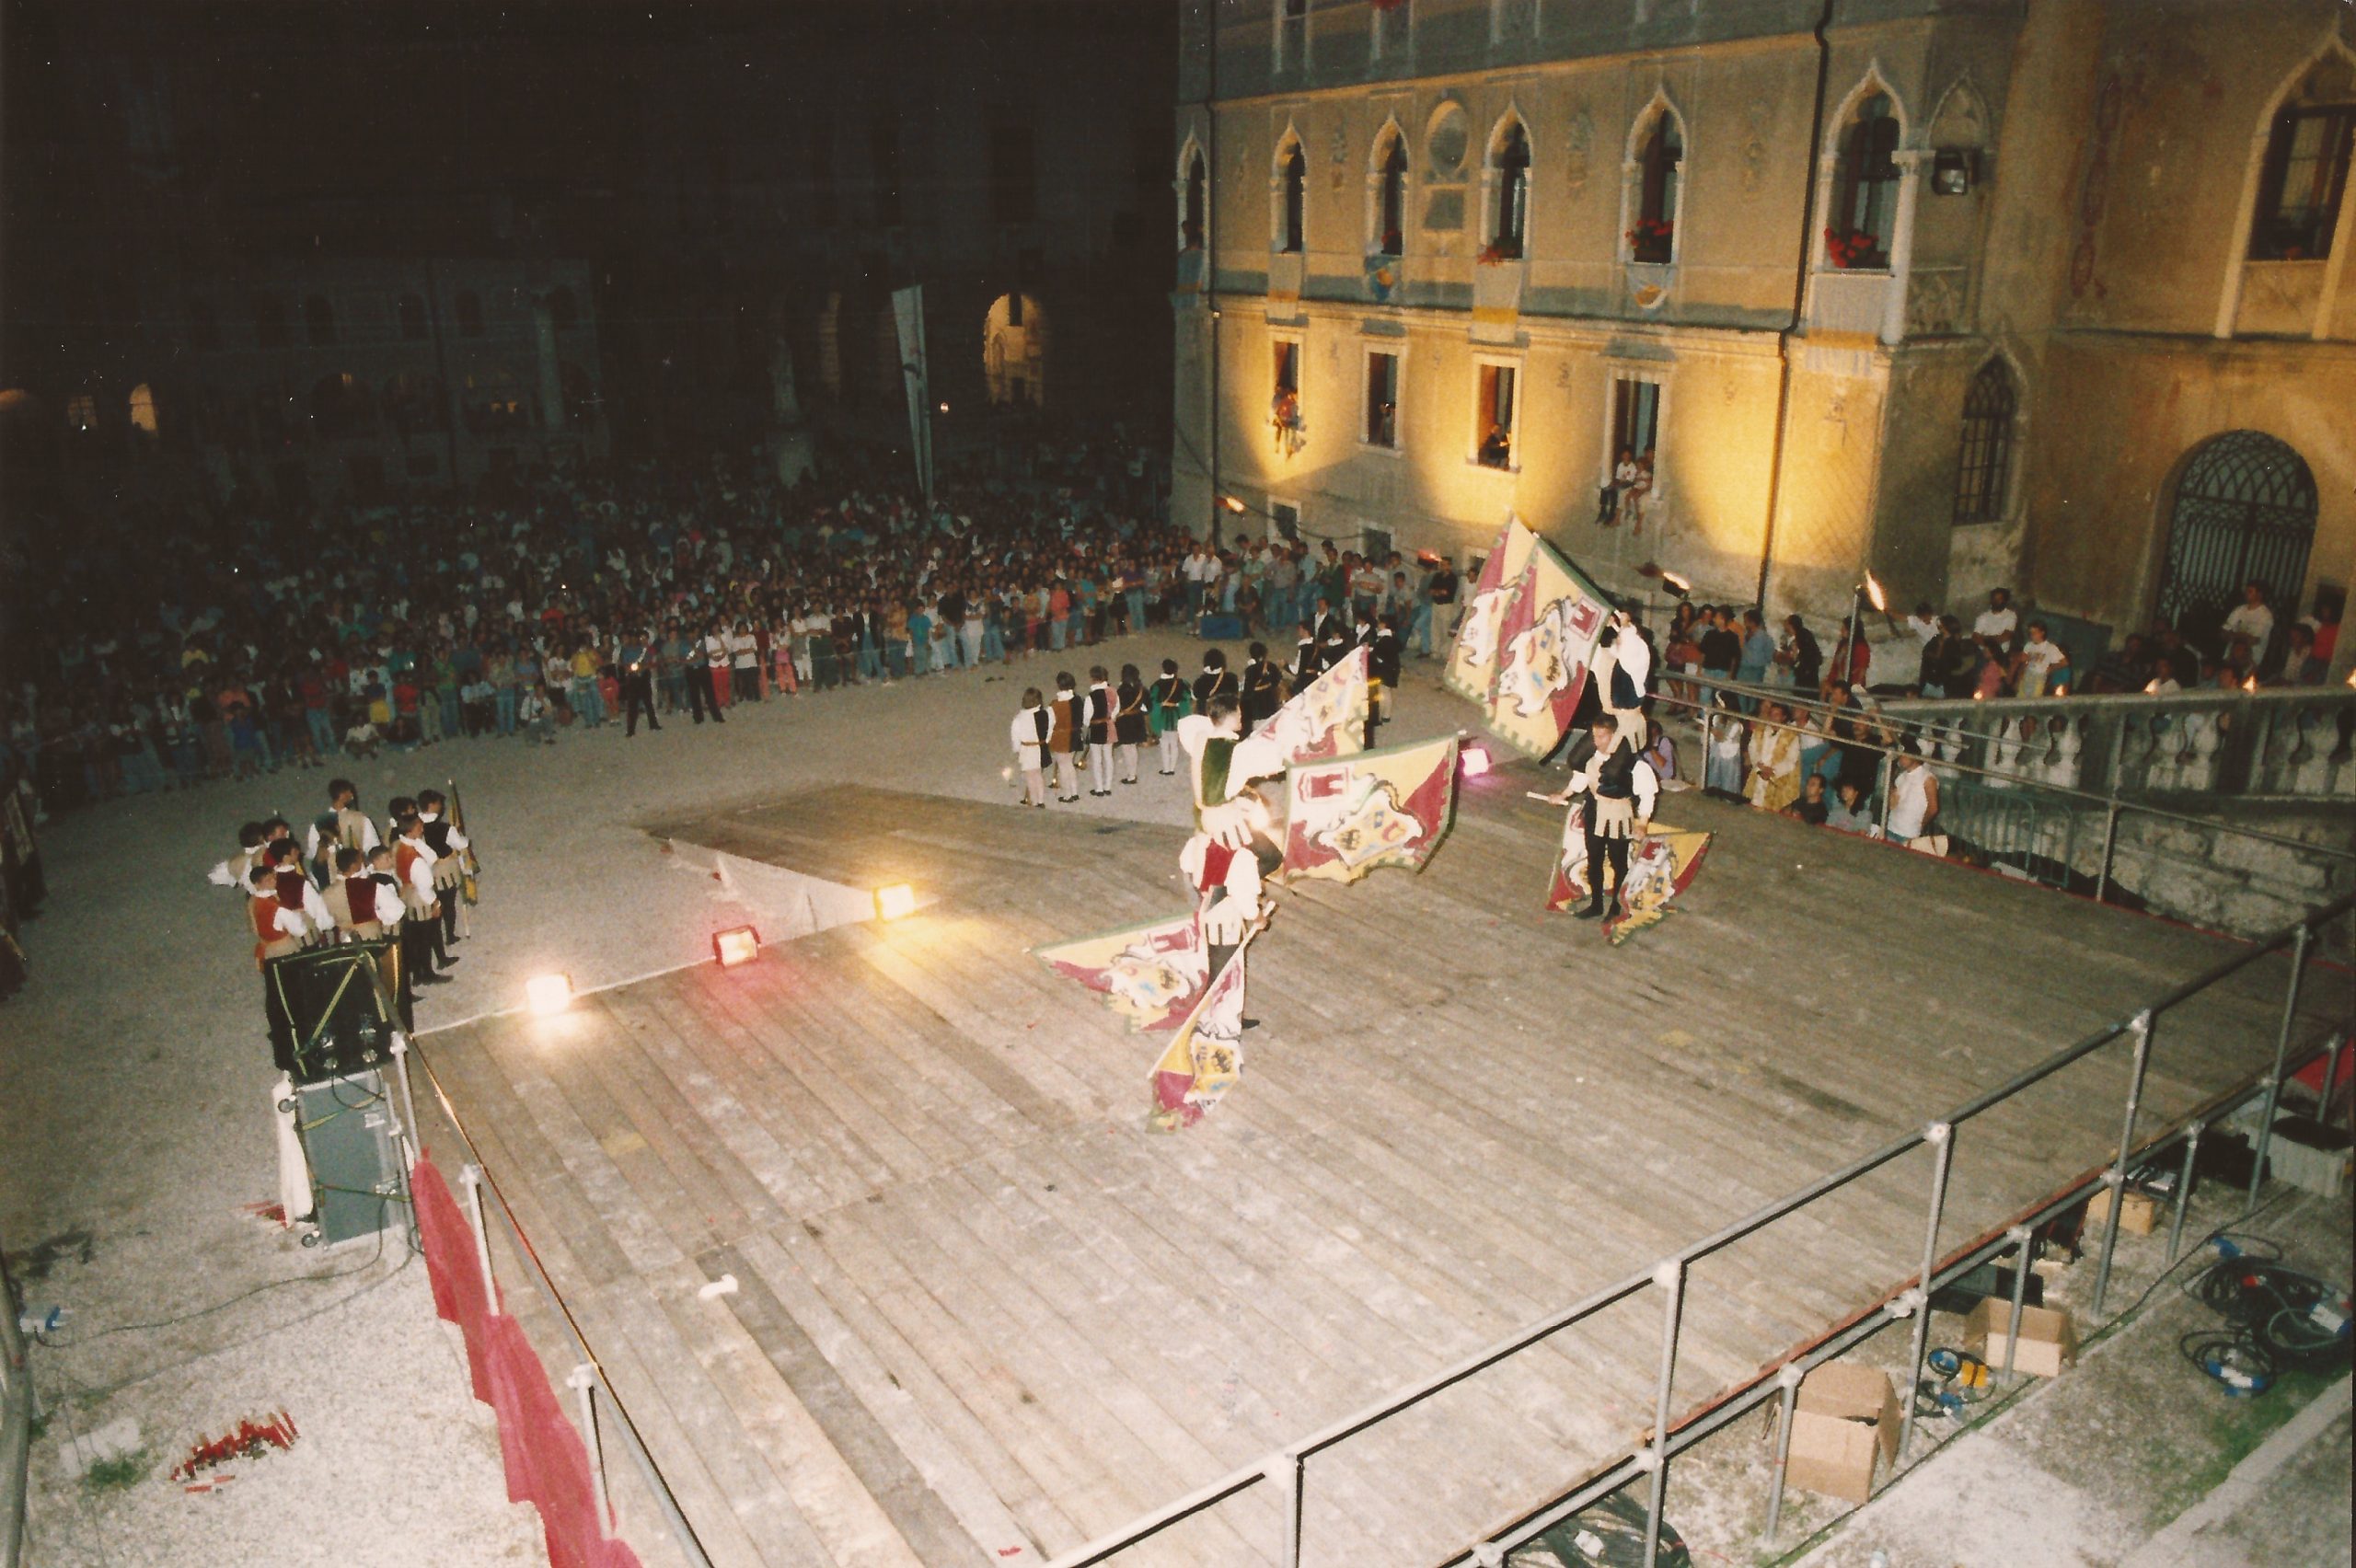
(1986, 468)
(1509, 168)
(1654, 237)
(142, 409)
(1864, 202)
(1635, 420)
(1493, 411)
(1390, 199)
(82, 413)
(1382, 400)
(1283, 405)
(2301, 184)
(1292, 216)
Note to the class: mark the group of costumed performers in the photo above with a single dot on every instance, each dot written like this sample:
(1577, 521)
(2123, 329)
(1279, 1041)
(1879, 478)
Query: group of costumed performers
(1617, 780)
(345, 882)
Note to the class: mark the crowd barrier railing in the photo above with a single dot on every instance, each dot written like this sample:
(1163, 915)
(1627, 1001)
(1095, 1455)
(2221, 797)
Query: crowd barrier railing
(1286, 1473)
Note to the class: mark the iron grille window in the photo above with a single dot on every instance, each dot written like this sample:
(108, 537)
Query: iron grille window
(1382, 400)
(2304, 176)
(2245, 510)
(1982, 480)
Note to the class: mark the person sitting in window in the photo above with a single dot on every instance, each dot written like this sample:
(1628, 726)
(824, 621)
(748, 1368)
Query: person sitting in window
(1623, 477)
(1497, 447)
(1640, 494)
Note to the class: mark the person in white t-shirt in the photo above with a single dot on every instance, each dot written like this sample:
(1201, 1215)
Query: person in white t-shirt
(2252, 618)
(1995, 627)
(2036, 660)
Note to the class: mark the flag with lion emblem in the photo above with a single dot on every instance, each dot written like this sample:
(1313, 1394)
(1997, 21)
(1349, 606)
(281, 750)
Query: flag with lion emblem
(1660, 865)
(1380, 807)
(1545, 642)
(1472, 663)
(1151, 973)
(1324, 718)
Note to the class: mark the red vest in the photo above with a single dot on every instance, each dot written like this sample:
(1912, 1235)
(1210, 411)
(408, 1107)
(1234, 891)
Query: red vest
(290, 888)
(1216, 857)
(359, 895)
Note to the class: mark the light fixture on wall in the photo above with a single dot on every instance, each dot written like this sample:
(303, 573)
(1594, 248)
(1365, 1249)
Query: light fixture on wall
(1954, 171)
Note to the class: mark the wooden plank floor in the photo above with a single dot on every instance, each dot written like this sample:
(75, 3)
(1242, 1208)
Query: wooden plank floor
(983, 1315)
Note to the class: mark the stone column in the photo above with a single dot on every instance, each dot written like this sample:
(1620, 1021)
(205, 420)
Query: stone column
(1901, 244)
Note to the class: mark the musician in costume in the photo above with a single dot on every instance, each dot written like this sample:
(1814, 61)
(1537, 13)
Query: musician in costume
(343, 822)
(1263, 688)
(1129, 724)
(449, 847)
(373, 893)
(1305, 667)
(1030, 734)
(1100, 730)
(1621, 787)
(278, 933)
(1066, 736)
(422, 923)
(1381, 672)
(1216, 679)
(1168, 700)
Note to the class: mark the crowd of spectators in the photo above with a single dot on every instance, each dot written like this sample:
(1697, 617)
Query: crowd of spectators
(190, 648)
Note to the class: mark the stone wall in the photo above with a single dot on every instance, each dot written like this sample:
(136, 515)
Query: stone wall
(2202, 874)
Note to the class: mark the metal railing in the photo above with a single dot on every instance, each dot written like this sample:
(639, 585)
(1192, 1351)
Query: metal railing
(600, 1410)
(1884, 730)
(1287, 1471)
(2277, 743)
(15, 1421)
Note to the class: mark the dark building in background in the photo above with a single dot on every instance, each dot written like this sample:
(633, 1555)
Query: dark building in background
(626, 233)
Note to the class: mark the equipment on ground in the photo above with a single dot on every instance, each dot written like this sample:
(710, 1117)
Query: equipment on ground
(347, 1126)
(335, 1012)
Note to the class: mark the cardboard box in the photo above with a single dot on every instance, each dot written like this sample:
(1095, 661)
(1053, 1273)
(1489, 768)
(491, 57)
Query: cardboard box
(2049, 1342)
(2137, 1212)
(1845, 1418)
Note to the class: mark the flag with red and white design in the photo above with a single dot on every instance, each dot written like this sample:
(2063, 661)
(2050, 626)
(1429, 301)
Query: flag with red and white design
(1472, 669)
(1380, 807)
(1206, 1059)
(1546, 639)
(1150, 972)
(1326, 718)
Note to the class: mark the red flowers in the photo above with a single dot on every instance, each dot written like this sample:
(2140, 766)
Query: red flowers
(1496, 253)
(1855, 249)
(249, 1441)
(1651, 239)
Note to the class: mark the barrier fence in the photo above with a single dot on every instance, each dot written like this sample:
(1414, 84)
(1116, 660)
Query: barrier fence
(1286, 1473)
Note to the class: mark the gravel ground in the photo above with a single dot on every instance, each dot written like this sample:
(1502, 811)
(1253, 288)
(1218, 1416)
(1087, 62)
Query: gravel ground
(134, 1083)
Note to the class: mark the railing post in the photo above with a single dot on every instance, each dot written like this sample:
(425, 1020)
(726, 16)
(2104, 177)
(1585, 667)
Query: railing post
(1940, 1135)
(2109, 841)
(470, 1178)
(584, 1381)
(408, 1100)
(2183, 1191)
(2274, 1077)
(1289, 1474)
(1671, 1278)
(2019, 1237)
(1788, 1380)
(2330, 1080)
(2116, 1177)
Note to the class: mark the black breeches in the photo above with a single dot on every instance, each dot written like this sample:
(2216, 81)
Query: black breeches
(1599, 851)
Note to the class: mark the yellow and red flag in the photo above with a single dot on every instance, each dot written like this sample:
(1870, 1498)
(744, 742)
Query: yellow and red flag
(1660, 865)
(1380, 807)
(1206, 1058)
(1324, 718)
(1546, 639)
(1472, 663)
(1150, 972)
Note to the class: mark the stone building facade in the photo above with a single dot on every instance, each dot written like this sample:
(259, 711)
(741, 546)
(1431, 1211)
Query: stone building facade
(2046, 292)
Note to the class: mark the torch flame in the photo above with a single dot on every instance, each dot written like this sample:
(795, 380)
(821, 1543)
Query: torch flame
(2250, 684)
(1873, 592)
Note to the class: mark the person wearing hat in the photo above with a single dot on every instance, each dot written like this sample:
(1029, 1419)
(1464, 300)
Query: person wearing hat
(1620, 787)
(1168, 701)
(1263, 688)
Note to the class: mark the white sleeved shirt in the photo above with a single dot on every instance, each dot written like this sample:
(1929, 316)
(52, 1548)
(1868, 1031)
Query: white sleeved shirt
(1025, 732)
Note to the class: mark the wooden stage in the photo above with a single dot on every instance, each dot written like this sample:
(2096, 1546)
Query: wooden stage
(983, 1314)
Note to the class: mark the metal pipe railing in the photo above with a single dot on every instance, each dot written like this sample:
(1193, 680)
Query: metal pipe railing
(588, 1376)
(1663, 1441)
(15, 1421)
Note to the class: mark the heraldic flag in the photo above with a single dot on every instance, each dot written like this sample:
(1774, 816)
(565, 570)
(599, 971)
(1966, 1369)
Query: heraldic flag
(1545, 641)
(1659, 867)
(1326, 718)
(1380, 807)
(1472, 664)
(1206, 1058)
(1151, 974)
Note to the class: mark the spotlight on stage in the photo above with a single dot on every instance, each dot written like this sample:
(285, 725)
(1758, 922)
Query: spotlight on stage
(892, 903)
(1475, 761)
(549, 995)
(739, 945)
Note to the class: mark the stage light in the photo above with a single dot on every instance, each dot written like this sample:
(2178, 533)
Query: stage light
(549, 994)
(1677, 585)
(892, 903)
(1475, 761)
(741, 945)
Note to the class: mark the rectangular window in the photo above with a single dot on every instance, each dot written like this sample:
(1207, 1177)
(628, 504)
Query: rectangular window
(1394, 28)
(2304, 178)
(1382, 400)
(1635, 420)
(1286, 354)
(1494, 416)
(1292, 34)
(1014, 184)
(883, 160)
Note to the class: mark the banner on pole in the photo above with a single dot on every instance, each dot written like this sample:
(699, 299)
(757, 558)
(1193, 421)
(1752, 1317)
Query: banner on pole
(1380, 807)
(908, 316)
(1324, 718)
(1472, 669)
(1545, 642)
(1151, 973)
(1206, 1059)
(1660, 865)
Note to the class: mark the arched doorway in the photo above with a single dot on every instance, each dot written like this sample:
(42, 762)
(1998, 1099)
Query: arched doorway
(2244, 509)
(1014, 351)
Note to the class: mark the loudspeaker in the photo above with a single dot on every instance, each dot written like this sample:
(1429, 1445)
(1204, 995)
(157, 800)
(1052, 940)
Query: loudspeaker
(347, 1128)
(332, 1011)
